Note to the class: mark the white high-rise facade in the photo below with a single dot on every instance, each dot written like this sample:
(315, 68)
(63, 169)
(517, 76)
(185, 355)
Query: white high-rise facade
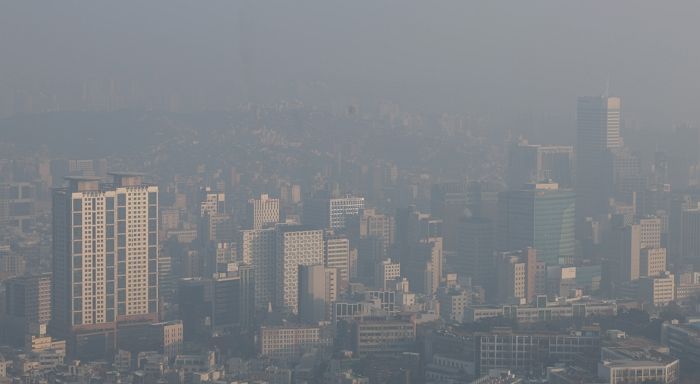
(105, 252)
(331, 213)
(257, 248)
(263, 211)
(337, 256)
(341, 207)
(212, 203)
(295, 246)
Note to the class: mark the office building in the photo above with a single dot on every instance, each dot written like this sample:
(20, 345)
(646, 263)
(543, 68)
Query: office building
(223, 302)
(657, 290)
(194, 298)
(370, 252)
(17, 206)
(318, 288)
(337, 255)
(29, 298)
(628, 180)
(516, 274)
(423, 265)
(652, 262)
(290, 342)
(295, 246)
(330, 213)
(453, 301)
(530, 163)
(257, 249)
(690, 236)
(164, 337)
(650, 232)
(27, 305)
(541, 312)
(683, 341)
(211, 203)
(105, 254)
(627, 241)
(598, 121)
(385, 273)
(475, 253)
(370, 223)
(214, 223)
(626, 359)
(383, 336)
(540, 216)
(233, 299)
(263, 212)
(535, 351)
(449, 202)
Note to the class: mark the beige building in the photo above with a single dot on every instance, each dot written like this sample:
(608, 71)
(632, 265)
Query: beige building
(288, 343)
(658, 290)
(386, 272)
(542, 312)
(263, 212)
(105, 249)
(652, 261)
(383, 336)
(337, 255)
(650, 232)
(516, 276)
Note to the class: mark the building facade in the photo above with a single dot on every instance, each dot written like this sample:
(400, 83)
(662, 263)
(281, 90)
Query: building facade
(263, 212)
(105, 253)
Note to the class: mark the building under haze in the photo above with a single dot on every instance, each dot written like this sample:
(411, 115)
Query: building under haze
(541, 216)
(295, 246)
(598, 121)
(331, 213)
(530, 163)
(337, 255)
(449, 202)
(263, 212)
(475, 253)
(105, 258)
(257, 248)
(516, 276)
(27, 305)
(318, 288)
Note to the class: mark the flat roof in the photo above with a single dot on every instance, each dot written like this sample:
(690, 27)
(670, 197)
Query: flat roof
(125, 173)
(82, 178)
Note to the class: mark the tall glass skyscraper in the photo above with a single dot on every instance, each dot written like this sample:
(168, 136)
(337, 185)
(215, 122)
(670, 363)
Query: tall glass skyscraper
(598, 120)
(541, 216)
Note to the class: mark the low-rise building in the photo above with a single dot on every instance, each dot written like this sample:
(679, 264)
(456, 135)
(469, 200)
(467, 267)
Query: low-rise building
(290, 342)
(683, 341)
(541, 312)
(532, 352)
(383, 336)
(626, 359)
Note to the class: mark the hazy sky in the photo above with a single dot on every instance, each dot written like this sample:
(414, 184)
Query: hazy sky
(512, 57)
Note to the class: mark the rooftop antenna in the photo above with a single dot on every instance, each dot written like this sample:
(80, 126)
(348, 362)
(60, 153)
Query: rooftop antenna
(607, 87)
